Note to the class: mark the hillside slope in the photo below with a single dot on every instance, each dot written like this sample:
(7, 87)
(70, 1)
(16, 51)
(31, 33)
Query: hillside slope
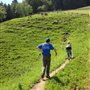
(20, 61)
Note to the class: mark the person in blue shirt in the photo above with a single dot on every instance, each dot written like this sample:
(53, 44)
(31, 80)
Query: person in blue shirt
(45, 48)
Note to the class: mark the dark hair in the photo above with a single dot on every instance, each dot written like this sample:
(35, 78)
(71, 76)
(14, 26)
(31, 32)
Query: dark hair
(47, 40)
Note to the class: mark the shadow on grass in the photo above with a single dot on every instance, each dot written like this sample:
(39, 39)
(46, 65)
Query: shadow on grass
(20, 87)
(58, 80)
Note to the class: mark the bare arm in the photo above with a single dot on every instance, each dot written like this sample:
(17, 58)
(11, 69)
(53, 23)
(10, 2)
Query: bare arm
(55, 51)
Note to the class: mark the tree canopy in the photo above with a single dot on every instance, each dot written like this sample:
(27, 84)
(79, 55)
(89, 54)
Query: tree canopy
(15, 9)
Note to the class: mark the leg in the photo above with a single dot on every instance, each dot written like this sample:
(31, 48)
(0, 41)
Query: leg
(68, 54)
(48, 66)
(44, 66)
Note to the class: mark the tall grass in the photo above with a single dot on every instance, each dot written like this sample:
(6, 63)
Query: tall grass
(75, 74)
(20, 61)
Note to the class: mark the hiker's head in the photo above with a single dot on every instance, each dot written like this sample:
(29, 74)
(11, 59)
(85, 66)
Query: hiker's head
(47, 40)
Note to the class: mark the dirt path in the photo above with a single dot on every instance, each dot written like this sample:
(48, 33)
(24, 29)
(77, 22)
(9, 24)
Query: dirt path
(41, 84)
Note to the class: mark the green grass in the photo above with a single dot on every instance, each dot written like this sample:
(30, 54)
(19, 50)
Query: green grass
(20, 62)
(80, 11)
(76, 73)
(84, 8)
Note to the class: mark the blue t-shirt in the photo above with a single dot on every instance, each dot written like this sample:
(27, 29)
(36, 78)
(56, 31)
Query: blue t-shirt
(46, 48)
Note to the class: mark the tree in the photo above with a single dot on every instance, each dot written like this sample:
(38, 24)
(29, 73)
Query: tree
(35, 4)
(2, 13)
(1, 3)
(48, 4)
(42, 8)
(9, 12)
(23, 9)
(14, 1)
(57, 4)
(88, 2)
(13, 7)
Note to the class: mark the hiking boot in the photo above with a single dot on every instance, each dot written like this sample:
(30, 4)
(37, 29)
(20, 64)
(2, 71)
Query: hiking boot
(48, 77)
(68, 58)
(42, 76)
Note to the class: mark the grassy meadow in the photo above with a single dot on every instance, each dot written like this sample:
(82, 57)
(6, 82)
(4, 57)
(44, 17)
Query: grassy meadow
(79, 11)
(84, 10)
(20, 61)
(76, 75)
